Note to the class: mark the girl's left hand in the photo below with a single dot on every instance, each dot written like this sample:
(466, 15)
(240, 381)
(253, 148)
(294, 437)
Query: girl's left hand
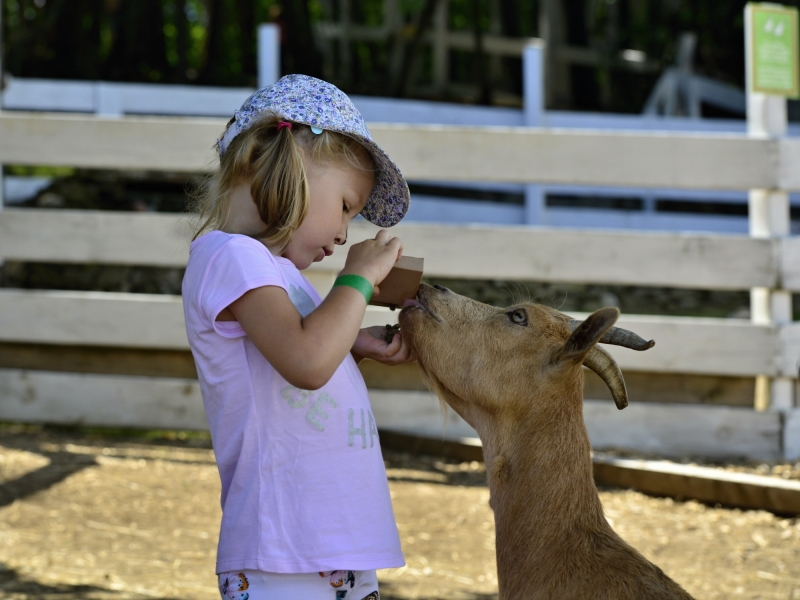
(370, 343)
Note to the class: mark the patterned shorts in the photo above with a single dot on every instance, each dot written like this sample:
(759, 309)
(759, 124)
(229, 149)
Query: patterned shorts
(327, 585)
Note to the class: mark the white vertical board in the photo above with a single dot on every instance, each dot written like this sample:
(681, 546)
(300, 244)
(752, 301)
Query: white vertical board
(269, 54)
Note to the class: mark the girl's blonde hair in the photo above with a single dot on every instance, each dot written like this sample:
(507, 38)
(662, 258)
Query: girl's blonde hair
(272, 160)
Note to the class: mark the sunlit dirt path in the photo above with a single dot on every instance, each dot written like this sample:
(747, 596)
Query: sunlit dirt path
(87, 517)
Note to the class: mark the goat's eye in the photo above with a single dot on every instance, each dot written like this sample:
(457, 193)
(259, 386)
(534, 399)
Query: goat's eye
(519, 316)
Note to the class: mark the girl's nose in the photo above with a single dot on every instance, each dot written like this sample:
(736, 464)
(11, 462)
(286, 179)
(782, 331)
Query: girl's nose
(341, 238)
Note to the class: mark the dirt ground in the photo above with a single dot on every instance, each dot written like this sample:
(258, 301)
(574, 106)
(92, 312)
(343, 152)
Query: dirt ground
(110, 518)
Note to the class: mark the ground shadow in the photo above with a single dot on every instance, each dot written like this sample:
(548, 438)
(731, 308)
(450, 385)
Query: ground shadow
(390, 590)
(11, 582)
(62, 463)
(445, 471)
(60, 466)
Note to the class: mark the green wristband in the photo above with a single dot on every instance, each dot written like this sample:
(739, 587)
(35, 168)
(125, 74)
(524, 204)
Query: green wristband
(357, 282)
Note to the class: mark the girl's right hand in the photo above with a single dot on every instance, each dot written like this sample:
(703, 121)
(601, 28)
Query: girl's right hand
(373, 259)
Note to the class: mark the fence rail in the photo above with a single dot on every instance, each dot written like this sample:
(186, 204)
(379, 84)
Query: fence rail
(430, 152)
(714, 262)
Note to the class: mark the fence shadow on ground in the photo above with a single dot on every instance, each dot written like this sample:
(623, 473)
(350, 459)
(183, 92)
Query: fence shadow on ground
(13, 585)
(391, 591)
(411, 467)
(60, 466)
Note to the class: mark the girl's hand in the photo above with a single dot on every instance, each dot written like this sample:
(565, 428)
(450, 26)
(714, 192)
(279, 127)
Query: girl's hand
(373, 259)
(370, 343)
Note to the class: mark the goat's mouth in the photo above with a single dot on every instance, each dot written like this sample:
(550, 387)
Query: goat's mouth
(413, 303)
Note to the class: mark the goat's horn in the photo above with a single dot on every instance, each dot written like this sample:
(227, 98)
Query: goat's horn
(619, 337)
(601, 362)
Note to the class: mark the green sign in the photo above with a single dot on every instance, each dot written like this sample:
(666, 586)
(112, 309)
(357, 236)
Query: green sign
(773, 48)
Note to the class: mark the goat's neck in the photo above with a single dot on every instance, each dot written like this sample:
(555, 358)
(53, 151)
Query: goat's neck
(542, 488)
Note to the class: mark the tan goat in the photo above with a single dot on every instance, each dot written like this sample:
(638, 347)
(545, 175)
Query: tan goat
(515, 375)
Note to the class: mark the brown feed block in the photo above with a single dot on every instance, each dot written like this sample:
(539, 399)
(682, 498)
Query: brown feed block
(400, 284)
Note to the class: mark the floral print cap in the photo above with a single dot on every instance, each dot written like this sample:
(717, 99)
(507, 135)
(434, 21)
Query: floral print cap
(317, 103)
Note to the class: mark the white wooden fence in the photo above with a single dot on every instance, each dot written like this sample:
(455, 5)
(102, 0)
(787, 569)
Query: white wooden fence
(723, 347)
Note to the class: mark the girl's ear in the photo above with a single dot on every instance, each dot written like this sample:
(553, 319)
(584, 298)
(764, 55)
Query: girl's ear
(587, 335)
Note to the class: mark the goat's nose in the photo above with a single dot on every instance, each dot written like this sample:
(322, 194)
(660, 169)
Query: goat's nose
(441, 288)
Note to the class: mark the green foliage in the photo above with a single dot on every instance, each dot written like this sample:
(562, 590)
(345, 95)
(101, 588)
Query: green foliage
(213, 42)
(32, 171)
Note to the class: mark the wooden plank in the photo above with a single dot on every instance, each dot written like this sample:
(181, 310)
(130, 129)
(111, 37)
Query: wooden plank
(666, 430)
(728, 347)
(417, 413)
(42, 94)
(684, 345)
(685, 430)
(711, 261)
(164, 363)
(517, 253)
(92, 319)
(676, 388)
(99, 360)
(405, 377)
(153, 143)
(642, 387)
(705, 484)
(125, 401)
(657, 159)
(100, 400)
(99, 237)
(135, 98)
(423, 152)
(153, 321)
(172, 403)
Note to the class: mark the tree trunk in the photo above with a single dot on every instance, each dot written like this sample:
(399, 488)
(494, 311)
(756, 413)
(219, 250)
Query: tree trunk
(246, 16)
(181, 41)
(403, 85)
(139, 50)
(213, 55)
(479, 57)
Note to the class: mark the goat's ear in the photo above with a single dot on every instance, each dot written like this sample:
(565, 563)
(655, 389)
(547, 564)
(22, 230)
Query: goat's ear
(587, 334)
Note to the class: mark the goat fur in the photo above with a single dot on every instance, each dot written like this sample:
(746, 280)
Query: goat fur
(521, 387)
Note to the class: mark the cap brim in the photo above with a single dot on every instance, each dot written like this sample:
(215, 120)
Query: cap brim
(390, 197)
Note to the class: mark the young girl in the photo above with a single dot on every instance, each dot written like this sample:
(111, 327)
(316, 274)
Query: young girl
(306, 512)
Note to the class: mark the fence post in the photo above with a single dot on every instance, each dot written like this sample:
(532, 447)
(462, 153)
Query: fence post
(533, 98)
(768, 218)
(269, 54)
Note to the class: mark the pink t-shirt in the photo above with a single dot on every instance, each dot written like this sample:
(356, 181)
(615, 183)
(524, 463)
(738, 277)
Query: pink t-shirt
(304, 487)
